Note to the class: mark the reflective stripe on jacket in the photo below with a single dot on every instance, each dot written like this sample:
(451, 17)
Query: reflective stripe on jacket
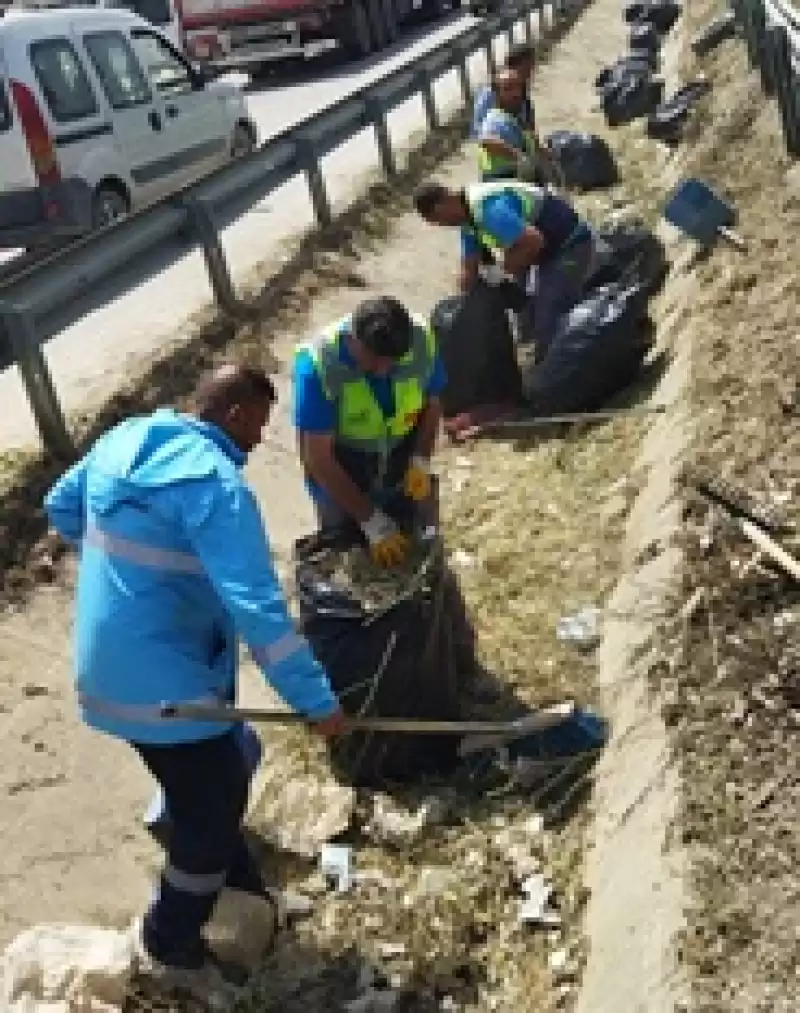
(174, 564)
(361, 424)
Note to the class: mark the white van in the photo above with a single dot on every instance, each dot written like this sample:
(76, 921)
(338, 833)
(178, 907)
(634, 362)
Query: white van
(102, 96)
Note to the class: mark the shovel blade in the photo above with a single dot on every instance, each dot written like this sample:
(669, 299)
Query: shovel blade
(698, 212)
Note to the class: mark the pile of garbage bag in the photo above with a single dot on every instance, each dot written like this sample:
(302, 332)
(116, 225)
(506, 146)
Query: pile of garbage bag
(598, 349)
(586, 160)
(628, 90)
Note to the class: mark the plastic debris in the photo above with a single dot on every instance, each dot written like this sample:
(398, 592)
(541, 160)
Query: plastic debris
(336, 863)
(582, 629)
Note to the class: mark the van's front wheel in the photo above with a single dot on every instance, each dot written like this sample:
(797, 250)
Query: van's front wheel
(109, 204)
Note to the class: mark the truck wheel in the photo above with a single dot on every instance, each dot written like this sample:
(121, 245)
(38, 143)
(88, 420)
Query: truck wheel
(377, 24)
(357, 35)
(109, 204)
(390, 20)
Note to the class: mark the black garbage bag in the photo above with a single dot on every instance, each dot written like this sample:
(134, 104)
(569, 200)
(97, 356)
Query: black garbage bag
(630, 253)
(649, 57)
(585, 159)
(635, 63)
(719, 30)
(477, 349)
(409, 660)
(667, 120)
(644, 35)
(629, 92)
(661, 14)
(598, 349)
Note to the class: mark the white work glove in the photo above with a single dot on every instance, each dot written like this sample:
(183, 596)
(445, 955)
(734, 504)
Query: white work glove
(388, 546)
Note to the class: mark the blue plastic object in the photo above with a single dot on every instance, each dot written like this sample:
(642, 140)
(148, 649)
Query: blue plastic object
(699, 212)
(584, 732)
(157, 819)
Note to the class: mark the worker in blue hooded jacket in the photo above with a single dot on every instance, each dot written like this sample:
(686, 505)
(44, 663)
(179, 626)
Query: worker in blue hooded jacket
(174, 563)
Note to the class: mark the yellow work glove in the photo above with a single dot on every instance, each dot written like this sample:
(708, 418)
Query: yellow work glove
(417, 483)
(388, 546)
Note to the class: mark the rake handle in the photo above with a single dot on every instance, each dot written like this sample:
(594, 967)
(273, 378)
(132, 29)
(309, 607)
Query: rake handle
(548, 717)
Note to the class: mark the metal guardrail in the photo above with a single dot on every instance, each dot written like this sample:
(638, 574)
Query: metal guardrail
(772, 32)
(31, 300)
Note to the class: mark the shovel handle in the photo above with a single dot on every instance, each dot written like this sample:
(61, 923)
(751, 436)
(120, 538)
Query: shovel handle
(547, 717)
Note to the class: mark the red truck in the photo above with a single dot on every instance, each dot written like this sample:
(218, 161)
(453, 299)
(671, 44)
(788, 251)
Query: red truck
(250, 34)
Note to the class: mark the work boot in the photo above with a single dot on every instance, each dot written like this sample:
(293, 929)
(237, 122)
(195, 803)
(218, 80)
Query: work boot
(192, 969)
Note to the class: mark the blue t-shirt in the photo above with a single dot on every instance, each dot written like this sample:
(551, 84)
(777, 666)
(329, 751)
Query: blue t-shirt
(504, 216)
(505, 128)
(314, 412)
(484, 102)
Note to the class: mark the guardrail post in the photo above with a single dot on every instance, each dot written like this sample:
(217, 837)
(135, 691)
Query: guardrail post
(307, 158)
(759, 17)
(428, 98)
(200, 219)
(787, 87)
(542, 23)
(463, 74)
(377, 116)
(510, 32)
(528, 26)
(491, 62)
(26, 350)
(750, 26)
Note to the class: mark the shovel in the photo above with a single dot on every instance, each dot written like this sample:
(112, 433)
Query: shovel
(476, 735)
(702, 215)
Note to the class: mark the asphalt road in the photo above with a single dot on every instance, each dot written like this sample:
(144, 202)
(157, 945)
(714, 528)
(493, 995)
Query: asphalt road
(147, 310)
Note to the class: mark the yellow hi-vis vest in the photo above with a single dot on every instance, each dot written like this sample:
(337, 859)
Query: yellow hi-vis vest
(361, 423)
(532, 198)
(490, 163)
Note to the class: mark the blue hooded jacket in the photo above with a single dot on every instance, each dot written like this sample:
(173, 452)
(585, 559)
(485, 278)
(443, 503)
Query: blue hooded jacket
(174, 563)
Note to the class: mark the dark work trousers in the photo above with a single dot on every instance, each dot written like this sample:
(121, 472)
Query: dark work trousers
(560, 285)
(206, 785)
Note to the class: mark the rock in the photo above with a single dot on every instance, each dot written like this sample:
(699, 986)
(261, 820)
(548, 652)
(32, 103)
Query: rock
(243, 929)
(300, 816)
(374, 1001)
(67, 969)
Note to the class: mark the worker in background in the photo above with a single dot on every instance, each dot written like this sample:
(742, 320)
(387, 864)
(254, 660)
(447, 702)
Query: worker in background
(504, 126)
(174, 563)
(507, 148)
(538, 236)
(366, 407)
(521, 59)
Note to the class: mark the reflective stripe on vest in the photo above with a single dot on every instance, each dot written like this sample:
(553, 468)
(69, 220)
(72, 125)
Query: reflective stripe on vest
(139, 713)
(361, 423)
(492, 162)
(476, 194)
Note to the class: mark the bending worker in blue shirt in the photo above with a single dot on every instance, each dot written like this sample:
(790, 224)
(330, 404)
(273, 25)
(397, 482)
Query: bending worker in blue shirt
(174, 563)
(529, 227)
(366, 407)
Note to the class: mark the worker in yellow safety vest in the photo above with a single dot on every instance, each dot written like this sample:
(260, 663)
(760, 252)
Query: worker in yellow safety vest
(535, 235)
(508, 146)
(367, 412)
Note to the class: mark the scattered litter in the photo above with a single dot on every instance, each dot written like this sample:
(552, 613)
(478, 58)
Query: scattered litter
(336, 864)
(536, 909)
(718, 31)
(390, 950)
(394, 825)
(582, 629)
(463, 560)
(668, 119)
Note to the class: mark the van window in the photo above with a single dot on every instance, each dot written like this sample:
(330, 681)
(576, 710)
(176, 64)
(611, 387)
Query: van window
(120, 75)
(5, 109)
(63, 81)
(166, 69)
